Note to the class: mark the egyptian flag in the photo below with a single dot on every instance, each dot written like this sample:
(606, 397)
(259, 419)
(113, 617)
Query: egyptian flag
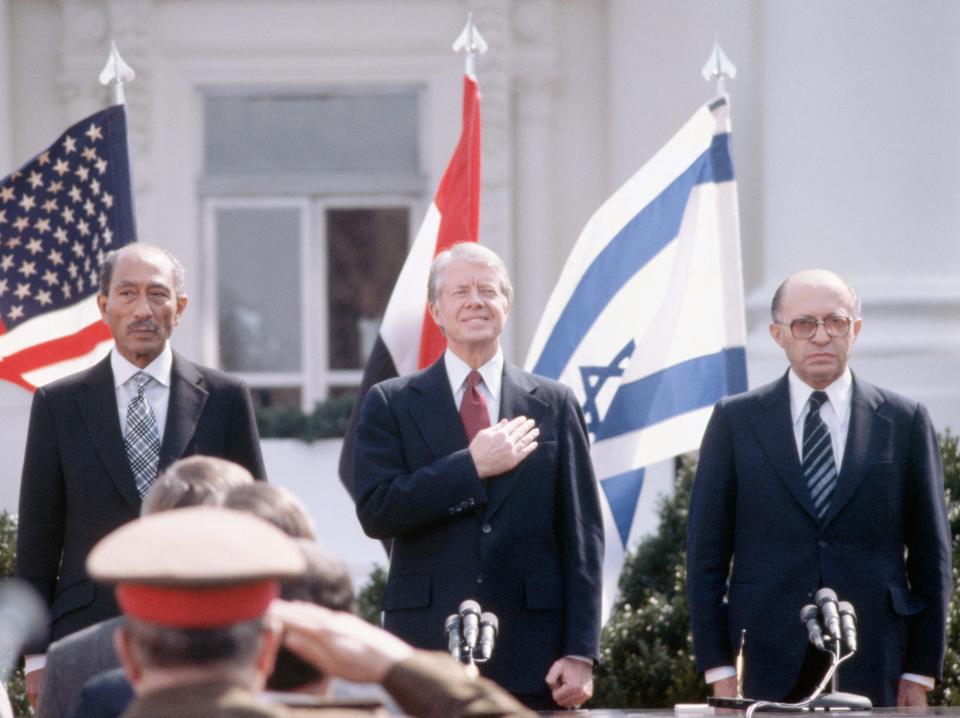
(408, 339)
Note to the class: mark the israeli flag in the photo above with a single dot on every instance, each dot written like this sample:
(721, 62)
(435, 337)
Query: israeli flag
(646, 323)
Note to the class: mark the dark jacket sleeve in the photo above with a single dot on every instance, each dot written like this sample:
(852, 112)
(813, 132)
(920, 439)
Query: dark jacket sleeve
(581, 530)
(40, 527)
(927, 539)
(244, 439)
(710, 537)
(433, 685)
(394, 498)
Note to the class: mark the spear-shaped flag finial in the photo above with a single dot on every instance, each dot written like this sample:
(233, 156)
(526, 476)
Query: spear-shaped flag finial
(117, 71)
(719, 67)
(472, 42)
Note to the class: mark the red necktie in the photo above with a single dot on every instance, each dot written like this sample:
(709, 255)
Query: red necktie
(473, 407)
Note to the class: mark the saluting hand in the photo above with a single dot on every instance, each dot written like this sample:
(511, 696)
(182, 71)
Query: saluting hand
(499, 448)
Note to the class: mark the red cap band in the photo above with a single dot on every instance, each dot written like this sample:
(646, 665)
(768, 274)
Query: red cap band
(200, 607)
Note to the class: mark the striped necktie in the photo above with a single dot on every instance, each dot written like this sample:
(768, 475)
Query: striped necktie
(143, 437)
(819, 468)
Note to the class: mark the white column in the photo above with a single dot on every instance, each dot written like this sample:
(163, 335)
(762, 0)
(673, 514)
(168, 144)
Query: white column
(861, 170)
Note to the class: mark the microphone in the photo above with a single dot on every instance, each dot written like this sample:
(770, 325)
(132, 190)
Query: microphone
(489, 627)
(827, 603)
(470, 621)
(23, 621)
(810, 617)
(451, 628)
(848, 624)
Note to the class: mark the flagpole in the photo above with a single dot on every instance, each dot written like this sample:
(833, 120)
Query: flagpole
(472, 43)
(117, 71)
(719, 68)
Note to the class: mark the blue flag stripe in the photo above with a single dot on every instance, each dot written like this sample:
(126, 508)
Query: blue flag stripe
(622, 492)
(689, 385)
(643, 237)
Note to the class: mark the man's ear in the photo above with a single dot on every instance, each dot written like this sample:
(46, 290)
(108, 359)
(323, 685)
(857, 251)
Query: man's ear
(127, 656)
(434, 310)
(776, 331)
(102, 304)
(182, 302)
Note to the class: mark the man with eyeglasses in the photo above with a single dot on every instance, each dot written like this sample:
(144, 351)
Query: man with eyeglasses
(819, 480)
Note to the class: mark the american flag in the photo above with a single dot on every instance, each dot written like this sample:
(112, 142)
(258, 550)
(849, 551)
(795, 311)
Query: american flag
(59, 215)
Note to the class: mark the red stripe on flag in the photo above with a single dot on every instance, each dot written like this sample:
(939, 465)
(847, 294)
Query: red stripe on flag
(458, 201)
(13, 367)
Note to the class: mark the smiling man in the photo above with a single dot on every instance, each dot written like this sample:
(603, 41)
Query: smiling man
(819, 480)
(97, 439)
(480, 474)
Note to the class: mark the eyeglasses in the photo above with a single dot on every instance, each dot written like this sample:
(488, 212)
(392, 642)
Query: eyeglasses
(806, 327)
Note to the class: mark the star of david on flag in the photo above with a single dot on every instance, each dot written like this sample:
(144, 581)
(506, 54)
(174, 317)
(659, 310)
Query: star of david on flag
(646, 323)
(59, 215)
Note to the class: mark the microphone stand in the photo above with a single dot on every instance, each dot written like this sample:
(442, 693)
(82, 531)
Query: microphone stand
(833, 700)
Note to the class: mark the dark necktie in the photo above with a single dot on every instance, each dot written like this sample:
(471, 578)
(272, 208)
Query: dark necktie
(473, 407)
(819, 469)
(143, 437)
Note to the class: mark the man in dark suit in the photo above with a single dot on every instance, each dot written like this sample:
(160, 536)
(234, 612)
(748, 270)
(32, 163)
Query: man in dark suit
(495, 501)
(819, 480)
(97, 439)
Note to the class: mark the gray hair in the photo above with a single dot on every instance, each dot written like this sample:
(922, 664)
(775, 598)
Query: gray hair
(110, 262)
(475, 254)
(775, 305)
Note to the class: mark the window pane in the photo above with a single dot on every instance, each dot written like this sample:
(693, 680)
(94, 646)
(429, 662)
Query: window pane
(319, 132)
(258, 289)
(365, 251)
(274, 397)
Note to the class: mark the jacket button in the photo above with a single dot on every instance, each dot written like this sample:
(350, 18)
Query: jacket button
(487, 528)
(822, 544)
(452, 511)
(480, 578)
(471, 501)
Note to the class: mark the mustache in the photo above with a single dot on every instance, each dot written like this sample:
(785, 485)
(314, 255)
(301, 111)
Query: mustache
(143, 325)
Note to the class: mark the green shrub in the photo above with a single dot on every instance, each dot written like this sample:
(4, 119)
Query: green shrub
(328, 420)
(646, 649)
(370, 596)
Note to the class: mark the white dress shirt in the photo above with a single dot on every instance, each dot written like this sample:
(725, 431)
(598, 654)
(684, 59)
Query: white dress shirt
(492, 373)
(157, 392)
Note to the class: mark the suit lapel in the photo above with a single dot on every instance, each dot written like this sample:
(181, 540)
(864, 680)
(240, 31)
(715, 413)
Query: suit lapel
(517, 398)
(867, 433)
(773, 427)
(98, 406)
(434, 412)
(187, 399)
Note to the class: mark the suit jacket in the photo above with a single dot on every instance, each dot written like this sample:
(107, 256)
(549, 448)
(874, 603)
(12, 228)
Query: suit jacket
(750, 503)
(527, 545)
(425, 685)
(73, 660)
(77, 485)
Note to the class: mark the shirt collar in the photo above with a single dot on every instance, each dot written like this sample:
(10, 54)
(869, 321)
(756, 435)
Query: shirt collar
(159, 369)
(839, 393)
(492, 372)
